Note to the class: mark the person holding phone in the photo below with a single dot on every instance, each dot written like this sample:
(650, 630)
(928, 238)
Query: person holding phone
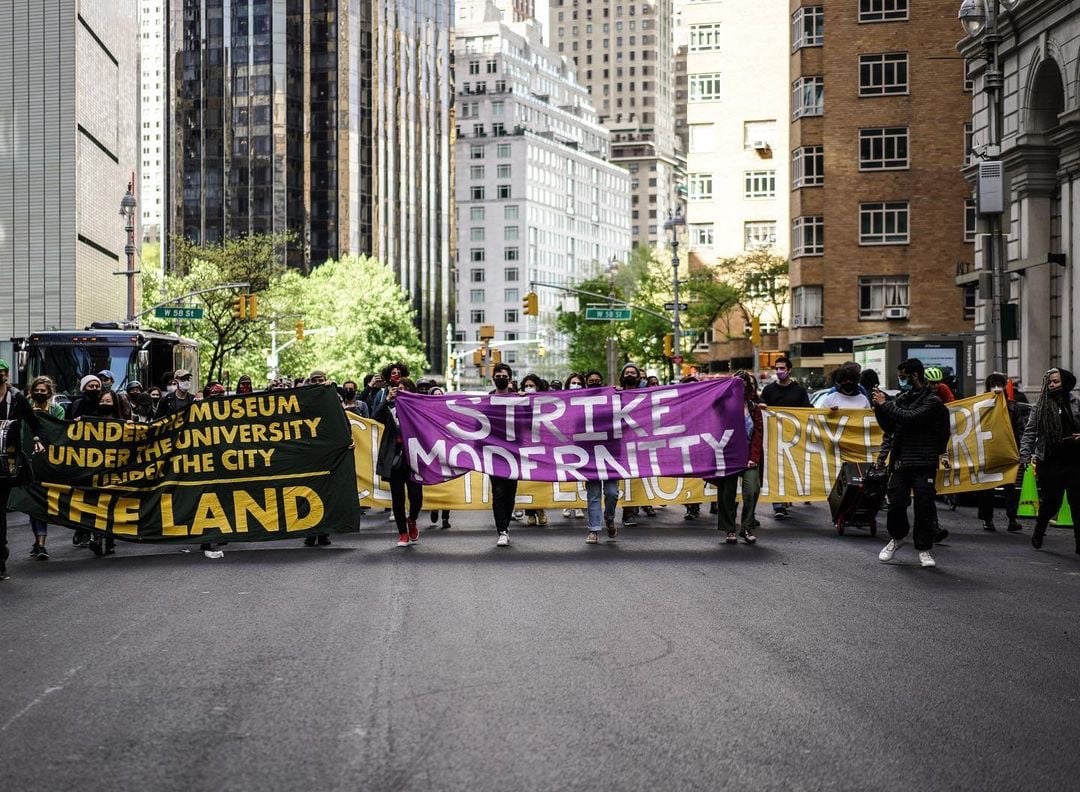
(393, 466)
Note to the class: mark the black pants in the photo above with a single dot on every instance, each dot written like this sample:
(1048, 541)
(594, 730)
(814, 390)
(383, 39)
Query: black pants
(986, 503)
(1055, 481)
(5, 493)
(903, 482)
(401, 484)
(503, 495)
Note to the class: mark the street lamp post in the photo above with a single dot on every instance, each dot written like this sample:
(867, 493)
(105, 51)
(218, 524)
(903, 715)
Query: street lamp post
(613, 269)
(673, 224)
(127, 211)
(980, 18)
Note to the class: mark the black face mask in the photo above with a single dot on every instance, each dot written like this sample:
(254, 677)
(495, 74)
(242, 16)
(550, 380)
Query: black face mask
(92, 396)
(350, 393)
(501, 382)
(849, 388)
(630, 382)
(40, 398)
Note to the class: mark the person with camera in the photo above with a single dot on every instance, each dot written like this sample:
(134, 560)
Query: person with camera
(916, 426)
(393, 466)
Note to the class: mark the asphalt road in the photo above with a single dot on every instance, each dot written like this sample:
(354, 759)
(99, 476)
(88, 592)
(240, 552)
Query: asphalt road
(665, 661)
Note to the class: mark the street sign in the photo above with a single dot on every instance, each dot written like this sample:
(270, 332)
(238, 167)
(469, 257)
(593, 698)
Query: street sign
(177, 312)
(608, 314)
(671, 306)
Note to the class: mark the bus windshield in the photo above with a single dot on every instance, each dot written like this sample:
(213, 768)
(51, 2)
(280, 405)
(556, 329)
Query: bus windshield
(67, 364)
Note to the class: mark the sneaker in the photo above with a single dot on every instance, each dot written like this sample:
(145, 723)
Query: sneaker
(517, 514)
(3, 572)
(941, 535)
(649, 511)
(591, 538)
(34, 550)
(628, 518)
(1014, 526)
(889, 550)
(95, 547)
(748, 536)
(612, 529)
(988, 525)
(322, 540)
(781, 513)
(214, 554)
(926, 560)
(731, 538)
(42, 553)
(567, 512)
(541, 518)
(445, 524)
(503, 540)
(414, 531)
(309, 541)
(434, 516)
(403, 540)
(531, 520)
(579, 514)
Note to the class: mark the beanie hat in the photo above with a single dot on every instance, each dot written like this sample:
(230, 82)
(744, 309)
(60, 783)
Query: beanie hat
(87, 380)
(3, 365)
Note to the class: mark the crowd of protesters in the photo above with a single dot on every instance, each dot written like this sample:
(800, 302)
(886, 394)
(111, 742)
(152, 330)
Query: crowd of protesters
(915, 424)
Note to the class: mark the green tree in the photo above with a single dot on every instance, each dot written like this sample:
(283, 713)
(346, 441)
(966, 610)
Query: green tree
(761, 279)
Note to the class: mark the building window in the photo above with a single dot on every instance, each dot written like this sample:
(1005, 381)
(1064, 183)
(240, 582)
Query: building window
(510, 233)
(476, 234)
(476, 152)
(971, 299)
(477, 296)
(510, 315)
(705, 37)
(474, 67)
(759, 234)
(476, 276)
(510, 213)
(808, 236)
(476, 213)
(878, 294)
(704, 87)
(883, 148)
(503, 172)
(476, 193)
(476, 171)
(759, 135)
(502, 150)
(511, 254)
(883, 75)
(808, 27)
(511, 274)
(701, 235)
(970, 220)
(700, 186)
(511, 296)
(882, 10)
(808, 97)
(808, 167)
(476, 316)
(759, 184)
(883, 223)
(503, 191)
(807, 306)
(476, 254)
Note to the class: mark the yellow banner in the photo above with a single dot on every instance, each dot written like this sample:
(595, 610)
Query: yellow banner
(804, 449)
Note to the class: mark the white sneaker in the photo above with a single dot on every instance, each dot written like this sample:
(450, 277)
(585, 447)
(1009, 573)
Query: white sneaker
(926, 560)
(567, 512)
(504, 539)
(517, 514)
(214, 553)
(889, 550)
(592, 538)
(579, 513)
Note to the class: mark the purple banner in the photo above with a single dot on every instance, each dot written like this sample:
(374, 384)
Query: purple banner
(691, 430)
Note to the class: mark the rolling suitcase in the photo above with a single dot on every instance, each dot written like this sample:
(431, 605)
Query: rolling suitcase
(857, 496)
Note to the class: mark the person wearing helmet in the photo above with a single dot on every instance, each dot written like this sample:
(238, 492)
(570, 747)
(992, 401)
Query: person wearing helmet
(935, 379)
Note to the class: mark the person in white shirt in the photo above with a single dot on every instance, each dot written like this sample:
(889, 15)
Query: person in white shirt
(847, 395)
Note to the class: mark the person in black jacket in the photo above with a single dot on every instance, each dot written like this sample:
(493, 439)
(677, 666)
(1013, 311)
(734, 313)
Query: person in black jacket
(916, 426)
(14, 409)
(785, 392)
(393, 466)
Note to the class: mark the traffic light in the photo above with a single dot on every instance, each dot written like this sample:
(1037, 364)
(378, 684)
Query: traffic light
(496, 357)
(669, 345)
(300, 330)
(541, 350)
(252, 306)
(239, 307)
(478, 357)
(531, 304)
(755, 332)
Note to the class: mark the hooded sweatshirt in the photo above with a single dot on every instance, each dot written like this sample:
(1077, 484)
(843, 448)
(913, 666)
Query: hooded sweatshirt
(1034, 445)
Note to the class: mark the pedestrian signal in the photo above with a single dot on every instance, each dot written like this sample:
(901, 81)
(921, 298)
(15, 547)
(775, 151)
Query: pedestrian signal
(531, 304)
(300, 330)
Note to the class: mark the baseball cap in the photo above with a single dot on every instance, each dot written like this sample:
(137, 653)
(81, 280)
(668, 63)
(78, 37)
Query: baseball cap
(181, 373)
(105, 374)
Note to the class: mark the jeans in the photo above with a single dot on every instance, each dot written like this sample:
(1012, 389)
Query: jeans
(503, 495)
(39, 527)
(727, 508)
(401, 484)
(920, 481)
(593, 491)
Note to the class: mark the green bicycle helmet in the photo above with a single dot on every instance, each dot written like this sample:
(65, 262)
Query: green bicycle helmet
(934, 374)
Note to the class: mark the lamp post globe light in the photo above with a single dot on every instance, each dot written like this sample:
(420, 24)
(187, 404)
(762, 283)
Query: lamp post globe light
(973, 16)
(127, 211)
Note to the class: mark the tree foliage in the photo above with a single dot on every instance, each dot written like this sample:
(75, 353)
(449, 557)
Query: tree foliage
(760, 278)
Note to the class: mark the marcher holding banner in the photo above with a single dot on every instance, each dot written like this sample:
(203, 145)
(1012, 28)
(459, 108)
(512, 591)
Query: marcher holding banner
(727, 486)
(14, 410)
(503, 488)
(997, 383)
(394, 467)
(1051, 443)
(594, 489)
(916, 426)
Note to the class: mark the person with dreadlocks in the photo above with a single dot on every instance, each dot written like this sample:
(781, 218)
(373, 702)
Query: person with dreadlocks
(1051, 442)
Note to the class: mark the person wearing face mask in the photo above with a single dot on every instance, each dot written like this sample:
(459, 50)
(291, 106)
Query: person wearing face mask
(142, 406)
(42, 391)
(784, 392)
(597, 490)
(1051, 443)
(393, 467)
(244, 386)
(574, 381)
(14, 411)
(390, 376)
(350, 401)
(916, 426)
(86, 403)
(847, 395)
(727, 487)
(179, 399)
(503, 490)
(629, 379)
(532, 383)
(107, 382)
(997, 383)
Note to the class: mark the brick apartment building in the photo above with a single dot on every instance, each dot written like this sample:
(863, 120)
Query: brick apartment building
(881, 216)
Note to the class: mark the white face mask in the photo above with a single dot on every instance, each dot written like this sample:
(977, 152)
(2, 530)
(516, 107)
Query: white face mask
(170, 389)
(530, 389)
(575, 385)
(184, 385)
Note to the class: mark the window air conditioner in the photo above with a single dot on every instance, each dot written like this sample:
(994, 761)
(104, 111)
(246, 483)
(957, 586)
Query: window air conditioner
(761, 145)
(896, 312)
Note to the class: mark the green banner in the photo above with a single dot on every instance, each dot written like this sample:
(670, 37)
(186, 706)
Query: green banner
(241, 468)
